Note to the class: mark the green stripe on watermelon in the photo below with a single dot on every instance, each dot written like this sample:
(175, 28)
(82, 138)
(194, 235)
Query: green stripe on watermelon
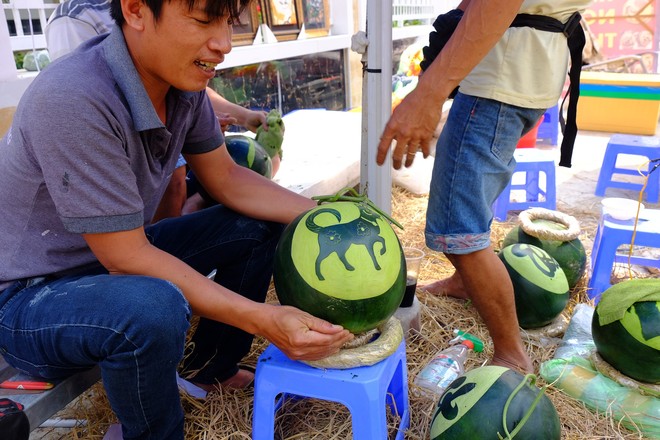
(473, 405)
(539, 284)
(248, 153)
(570, 255)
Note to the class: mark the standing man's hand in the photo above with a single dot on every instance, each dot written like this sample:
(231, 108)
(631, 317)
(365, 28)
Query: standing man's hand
(412, 125)
(414, 120)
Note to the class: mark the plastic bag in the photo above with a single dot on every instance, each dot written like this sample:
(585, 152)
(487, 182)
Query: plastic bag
(577, 340)
(35, 61)
(577, 378)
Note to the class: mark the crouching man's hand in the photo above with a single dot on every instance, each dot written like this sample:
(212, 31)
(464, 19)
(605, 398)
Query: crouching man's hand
(302, 336)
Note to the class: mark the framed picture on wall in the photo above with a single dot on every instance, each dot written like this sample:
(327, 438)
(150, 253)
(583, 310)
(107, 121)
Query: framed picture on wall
(245, 32)
(283, 18)
(316, 16)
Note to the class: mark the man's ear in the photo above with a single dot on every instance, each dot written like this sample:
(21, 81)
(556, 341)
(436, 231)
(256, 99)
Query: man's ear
(133, 11)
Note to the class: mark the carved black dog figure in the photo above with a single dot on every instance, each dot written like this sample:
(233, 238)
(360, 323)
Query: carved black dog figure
(338, 238)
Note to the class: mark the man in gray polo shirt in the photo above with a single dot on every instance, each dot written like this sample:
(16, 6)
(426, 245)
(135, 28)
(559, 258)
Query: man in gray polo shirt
(76, 21)
(84, 278)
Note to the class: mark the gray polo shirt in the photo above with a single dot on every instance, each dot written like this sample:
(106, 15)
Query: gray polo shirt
(87, 153)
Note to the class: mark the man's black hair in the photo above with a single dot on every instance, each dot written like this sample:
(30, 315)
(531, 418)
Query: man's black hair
(214, 8)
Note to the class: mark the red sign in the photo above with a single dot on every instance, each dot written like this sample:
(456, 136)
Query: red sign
(622, 27)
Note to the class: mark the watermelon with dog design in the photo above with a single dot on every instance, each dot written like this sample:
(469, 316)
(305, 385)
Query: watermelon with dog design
(342, 262)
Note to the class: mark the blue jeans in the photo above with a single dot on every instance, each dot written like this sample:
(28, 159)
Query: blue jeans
(135, 326)
(473, 164)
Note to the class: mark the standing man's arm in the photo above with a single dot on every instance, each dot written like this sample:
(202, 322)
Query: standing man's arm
(415, 119)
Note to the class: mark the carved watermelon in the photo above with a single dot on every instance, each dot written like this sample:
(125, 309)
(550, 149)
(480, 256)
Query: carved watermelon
(473, 405)
(626, 330)
(570, 255)
(539, 284)
(342, 262)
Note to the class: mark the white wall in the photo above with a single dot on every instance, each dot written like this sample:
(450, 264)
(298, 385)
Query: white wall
(7, 64)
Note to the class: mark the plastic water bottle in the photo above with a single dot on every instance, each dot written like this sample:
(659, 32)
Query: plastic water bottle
(444, 368)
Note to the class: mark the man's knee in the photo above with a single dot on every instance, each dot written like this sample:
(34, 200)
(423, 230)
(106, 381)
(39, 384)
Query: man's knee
(158, 309)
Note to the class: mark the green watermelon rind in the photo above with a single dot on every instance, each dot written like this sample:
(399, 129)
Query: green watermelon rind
(534, 307)
(248, 153)
(624, 352)
(357, 316)
(570, 255)
(543, 423)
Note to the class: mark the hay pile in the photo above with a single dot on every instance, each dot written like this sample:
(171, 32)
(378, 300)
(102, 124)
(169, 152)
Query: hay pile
(228, 415)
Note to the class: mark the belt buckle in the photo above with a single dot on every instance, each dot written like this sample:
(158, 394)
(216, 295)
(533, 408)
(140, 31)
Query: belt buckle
(572, 23)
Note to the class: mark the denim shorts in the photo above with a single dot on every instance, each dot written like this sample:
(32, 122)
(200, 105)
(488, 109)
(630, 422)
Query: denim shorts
(473, 164)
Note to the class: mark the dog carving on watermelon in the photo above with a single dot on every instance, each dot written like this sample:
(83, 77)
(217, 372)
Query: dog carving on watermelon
(338, 238)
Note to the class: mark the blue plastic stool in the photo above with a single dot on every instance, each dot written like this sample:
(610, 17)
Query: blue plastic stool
(532, 162)
(647, 146)
(549, 129)
(610, 235)
(365, 391)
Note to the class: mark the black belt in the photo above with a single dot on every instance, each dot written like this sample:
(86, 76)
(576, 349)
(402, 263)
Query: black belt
(576, 40)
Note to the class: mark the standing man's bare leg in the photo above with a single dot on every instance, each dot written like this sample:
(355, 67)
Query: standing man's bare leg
(488, 285)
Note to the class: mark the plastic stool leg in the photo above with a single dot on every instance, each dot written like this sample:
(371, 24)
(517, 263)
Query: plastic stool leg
(363, 391)
(263, 419)
(606, 170)
(397, 398)
(549, 128)
(596, 246)
(551, 188)
(602, 262)
(369, 423)
(532, 185)
(653, 185)
(368, 416)
(554, 124)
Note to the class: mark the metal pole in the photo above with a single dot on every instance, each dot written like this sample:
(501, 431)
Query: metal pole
(377, 103)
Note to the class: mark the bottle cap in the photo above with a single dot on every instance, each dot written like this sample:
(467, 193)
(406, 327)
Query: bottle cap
(464, 336)
(468, 344)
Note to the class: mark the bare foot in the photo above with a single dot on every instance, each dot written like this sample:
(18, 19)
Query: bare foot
(194, 203)
(242, 379)
(452, 286)
(522, 366)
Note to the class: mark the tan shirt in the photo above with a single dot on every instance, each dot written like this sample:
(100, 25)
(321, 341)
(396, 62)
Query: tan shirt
(527, 67)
